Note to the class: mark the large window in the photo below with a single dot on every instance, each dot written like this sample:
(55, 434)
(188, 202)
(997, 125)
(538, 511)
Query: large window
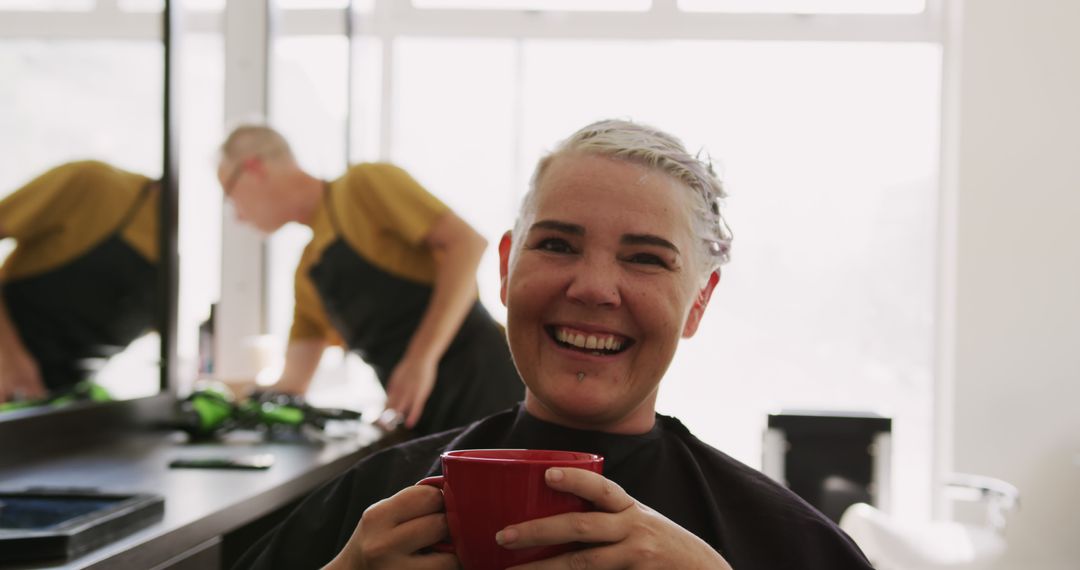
(118, 84)
(829, 154)
(825, 129)
(822, 116)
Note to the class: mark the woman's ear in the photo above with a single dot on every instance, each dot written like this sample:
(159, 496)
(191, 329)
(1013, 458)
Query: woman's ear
(504, 264)
(698, 308)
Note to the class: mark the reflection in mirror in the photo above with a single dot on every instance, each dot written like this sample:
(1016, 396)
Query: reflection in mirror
(79, 220)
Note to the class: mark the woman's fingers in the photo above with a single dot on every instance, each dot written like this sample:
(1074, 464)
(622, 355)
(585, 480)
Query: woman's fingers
(591, 527)
(587, 559)
(407, 504)
(593, 487)
(433, 562)
(420, 532)
(393, 532)
(559, 529)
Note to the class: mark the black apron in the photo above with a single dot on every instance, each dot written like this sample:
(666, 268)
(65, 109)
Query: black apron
(74, 317)
(376, 314)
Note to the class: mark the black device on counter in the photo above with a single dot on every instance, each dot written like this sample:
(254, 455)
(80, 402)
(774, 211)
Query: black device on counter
(41, 523)
(257, 461)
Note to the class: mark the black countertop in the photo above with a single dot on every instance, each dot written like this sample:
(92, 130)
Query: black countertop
(200, 504)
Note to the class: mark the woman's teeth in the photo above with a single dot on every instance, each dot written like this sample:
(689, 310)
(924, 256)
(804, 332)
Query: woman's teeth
(606, 343)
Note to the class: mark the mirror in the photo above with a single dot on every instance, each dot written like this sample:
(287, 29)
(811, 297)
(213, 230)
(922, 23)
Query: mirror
(85, 258)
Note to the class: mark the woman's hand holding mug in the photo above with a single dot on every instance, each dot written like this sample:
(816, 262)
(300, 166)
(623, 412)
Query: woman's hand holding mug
(624, 533)
(395, 533)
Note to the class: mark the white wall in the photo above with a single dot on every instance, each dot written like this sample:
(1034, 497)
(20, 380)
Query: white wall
(1016, 348)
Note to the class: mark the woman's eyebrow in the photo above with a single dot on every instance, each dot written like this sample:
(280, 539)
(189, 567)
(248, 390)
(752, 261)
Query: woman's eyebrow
(627, 239)
(648, 239)
(558, 226)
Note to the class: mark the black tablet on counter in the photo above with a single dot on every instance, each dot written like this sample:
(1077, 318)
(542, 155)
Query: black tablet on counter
(62, 523)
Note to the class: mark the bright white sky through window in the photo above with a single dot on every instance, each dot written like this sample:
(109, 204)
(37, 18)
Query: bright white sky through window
(830, 156)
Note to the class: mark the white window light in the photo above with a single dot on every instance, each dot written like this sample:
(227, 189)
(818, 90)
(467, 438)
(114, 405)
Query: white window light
(805, 6)
(538, 5)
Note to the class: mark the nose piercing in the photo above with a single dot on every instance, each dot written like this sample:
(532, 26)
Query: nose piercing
(580, 376)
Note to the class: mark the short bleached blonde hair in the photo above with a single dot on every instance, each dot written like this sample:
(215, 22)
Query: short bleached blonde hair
(254, 140)
(655, 149)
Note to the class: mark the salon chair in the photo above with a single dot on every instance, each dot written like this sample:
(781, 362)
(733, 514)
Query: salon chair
(937, 545)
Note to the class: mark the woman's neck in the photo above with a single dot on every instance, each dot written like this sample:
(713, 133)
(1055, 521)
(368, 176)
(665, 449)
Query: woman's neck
(640, 420)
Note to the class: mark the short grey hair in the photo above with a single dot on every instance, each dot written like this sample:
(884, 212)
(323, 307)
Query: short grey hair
(656, 149)
(248, 140)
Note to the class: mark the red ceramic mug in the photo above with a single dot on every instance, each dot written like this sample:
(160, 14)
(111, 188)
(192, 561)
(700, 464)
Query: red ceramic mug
(486, 490)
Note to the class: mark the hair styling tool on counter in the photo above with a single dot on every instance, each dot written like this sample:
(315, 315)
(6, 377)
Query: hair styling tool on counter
(213, 410)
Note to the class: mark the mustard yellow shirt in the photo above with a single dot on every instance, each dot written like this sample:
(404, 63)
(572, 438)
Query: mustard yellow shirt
(384, 215)
(68, 210)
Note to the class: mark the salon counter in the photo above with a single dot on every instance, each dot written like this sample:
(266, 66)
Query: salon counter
(211, 515)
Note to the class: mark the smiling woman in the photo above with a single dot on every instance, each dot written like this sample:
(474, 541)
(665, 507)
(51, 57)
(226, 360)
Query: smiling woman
(637, 276)
(628, 275)
(615, 256)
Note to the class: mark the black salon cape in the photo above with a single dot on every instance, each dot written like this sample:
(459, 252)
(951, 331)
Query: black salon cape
(753, 522)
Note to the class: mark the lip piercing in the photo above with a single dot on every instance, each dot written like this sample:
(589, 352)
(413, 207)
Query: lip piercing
(580, 376)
